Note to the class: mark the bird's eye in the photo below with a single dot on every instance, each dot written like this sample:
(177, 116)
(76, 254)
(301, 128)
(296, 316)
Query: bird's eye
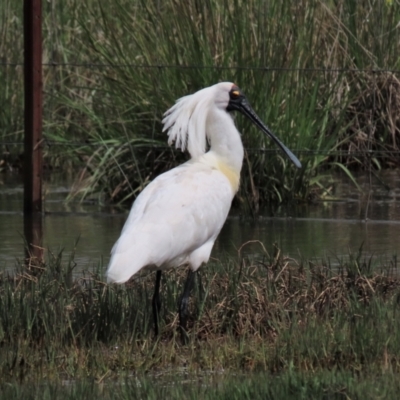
(235, 93)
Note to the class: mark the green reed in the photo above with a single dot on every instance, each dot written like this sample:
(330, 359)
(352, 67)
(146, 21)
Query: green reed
(297, 63)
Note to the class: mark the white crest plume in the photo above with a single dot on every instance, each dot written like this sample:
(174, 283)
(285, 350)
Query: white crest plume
(186, 122)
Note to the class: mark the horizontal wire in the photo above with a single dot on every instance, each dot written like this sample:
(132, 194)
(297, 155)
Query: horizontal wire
(171, 66)
(50, 143)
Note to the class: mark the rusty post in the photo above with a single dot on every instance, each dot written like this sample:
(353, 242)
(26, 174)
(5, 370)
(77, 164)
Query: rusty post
(33, 106)
(33, 122)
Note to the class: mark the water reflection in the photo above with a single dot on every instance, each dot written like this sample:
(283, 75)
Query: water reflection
(326, 229)
(33, 234)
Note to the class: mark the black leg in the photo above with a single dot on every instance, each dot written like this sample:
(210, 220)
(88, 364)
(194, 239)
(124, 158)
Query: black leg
(200, 286)
(184, 303)
(156, 302)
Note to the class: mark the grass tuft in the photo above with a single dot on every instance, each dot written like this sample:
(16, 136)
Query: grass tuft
(270, 315)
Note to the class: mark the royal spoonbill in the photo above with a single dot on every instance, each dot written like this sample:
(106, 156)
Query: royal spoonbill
(177, 217)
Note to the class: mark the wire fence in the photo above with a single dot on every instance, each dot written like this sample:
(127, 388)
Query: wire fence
(206, 67)
(370, 153)
(339, 153)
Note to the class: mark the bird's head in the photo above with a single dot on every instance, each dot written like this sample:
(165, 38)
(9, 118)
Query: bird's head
(189, 115)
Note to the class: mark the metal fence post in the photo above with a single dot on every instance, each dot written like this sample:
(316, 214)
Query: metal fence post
(33, 125)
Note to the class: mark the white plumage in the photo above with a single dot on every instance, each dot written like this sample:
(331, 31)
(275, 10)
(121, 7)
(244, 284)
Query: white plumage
(178, 216)
(175, 220)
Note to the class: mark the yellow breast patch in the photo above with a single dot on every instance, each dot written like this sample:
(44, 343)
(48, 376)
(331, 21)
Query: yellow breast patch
(231, 174)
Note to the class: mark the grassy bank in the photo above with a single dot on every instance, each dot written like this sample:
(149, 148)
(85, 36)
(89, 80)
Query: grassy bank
(113, 68)
(291, 385)
(302, 323)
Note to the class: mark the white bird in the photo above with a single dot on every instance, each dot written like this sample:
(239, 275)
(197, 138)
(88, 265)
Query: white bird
(176, 219)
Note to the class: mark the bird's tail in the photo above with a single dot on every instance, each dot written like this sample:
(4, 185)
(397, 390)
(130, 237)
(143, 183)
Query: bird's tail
(124, 263)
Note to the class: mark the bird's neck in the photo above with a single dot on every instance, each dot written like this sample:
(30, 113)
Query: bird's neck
(226, 148)
(225, 141)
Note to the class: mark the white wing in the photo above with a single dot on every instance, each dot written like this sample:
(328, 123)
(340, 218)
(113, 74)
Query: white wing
(175, 220)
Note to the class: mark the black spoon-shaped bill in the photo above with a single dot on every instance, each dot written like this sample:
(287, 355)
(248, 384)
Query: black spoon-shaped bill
(239, 103)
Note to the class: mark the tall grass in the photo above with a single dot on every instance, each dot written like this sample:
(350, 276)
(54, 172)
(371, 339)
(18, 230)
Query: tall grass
(291, 385)
(297, 62)
(270, 315)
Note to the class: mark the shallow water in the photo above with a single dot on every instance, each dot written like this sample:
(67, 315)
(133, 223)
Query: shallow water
(329, 228)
